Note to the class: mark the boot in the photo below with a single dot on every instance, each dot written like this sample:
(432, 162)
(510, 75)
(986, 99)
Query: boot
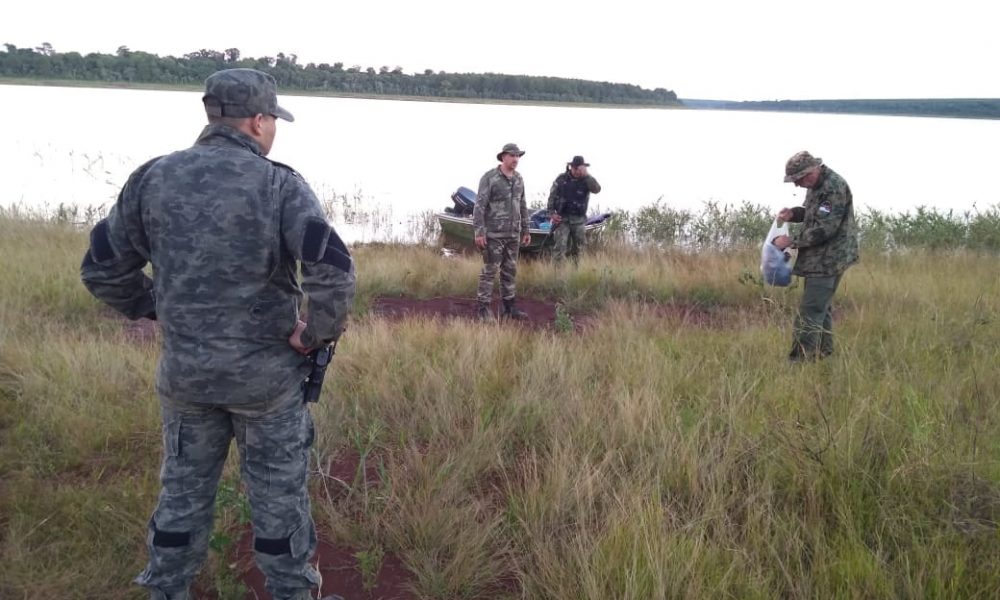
(484, 312)
(512, 312)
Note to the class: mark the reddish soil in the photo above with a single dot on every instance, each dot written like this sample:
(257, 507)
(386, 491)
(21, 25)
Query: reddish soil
(341, 576)
(337, 563)
(344, 467)
(541, 314)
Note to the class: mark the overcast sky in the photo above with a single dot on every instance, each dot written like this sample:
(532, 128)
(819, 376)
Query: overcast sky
(717, 49)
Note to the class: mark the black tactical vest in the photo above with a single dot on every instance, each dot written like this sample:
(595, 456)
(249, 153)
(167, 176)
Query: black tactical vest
(574, 195)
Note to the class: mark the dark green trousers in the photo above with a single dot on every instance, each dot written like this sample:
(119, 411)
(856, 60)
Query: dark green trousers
(570, 238)
(813, 335)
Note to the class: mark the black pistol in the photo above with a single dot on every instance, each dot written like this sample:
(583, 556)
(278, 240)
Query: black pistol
(319, 359)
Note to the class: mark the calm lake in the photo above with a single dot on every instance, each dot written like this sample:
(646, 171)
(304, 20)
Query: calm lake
(396, 160)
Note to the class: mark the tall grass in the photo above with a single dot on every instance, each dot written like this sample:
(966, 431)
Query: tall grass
(714, 226)
(647, 455)
(931, 228)
(743, 225)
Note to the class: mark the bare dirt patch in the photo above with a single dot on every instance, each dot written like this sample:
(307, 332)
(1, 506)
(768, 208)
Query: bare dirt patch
(341, 575)
(338, 564)
(541, 313)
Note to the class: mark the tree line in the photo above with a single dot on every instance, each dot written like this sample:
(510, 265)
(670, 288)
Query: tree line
(134, 66)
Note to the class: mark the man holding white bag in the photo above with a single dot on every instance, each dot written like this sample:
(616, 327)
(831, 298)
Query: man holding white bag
(827, 245)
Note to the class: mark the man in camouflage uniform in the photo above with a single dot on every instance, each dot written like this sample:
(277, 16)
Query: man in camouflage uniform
(225, 230)
(500, 218)
(568, 200)
(827, 243)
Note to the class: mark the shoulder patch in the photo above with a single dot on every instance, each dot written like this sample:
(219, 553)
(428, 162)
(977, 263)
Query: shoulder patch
(825, 208)
(314, 240)
(321, 244)
(337, 254)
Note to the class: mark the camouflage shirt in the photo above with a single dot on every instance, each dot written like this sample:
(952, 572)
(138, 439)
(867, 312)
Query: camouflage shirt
(828, 239)
(225, 230)
(501, 210)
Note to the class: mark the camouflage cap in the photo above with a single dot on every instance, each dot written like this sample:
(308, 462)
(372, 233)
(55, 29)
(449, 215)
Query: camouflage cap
(510, 149)
(799, 165)
(242, 93)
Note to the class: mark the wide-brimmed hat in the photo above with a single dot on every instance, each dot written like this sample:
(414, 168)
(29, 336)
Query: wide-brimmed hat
(799, 165)
(578, 161)
(510, 149)
(242, 93)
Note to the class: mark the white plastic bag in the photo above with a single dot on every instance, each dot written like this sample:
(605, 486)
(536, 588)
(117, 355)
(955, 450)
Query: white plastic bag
(775, 264)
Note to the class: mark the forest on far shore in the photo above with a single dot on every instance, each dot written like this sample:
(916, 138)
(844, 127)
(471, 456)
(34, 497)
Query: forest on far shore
(127, 66)
(135, 67)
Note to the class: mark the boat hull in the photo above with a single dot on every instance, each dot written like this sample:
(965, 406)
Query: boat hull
(460, 229)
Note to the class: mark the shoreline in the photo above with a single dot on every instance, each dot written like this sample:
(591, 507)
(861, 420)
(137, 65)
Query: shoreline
(166, 87)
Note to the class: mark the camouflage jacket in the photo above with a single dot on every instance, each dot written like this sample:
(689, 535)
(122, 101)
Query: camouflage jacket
(570, 196)
(225, 230)
(501, 210)
(828, 239)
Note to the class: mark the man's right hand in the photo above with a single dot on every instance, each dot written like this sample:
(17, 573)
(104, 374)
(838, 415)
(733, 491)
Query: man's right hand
(782, 241)
(785, 214)
(480, 241)
(556, 219)
(295, 340)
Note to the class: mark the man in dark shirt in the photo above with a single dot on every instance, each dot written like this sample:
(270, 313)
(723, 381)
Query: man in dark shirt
(568, 202)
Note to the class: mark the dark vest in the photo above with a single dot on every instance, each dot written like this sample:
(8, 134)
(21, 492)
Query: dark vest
(574, 196)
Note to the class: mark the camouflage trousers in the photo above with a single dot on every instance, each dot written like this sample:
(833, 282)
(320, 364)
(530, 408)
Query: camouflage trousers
(499, 255)
(813, 334)
(273, 441)
(570, 238)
